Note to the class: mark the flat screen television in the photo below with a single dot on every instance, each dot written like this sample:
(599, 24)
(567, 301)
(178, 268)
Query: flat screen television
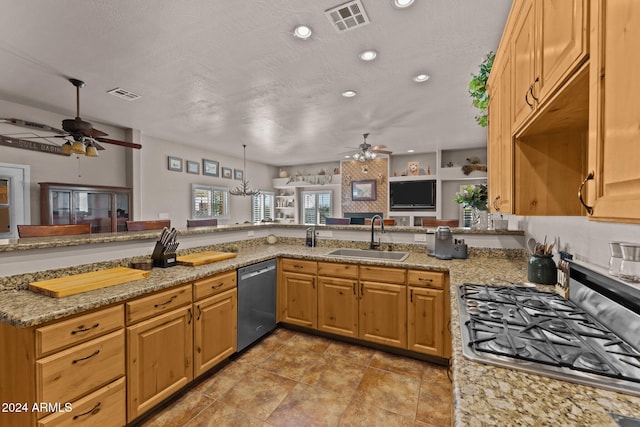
(412, 195)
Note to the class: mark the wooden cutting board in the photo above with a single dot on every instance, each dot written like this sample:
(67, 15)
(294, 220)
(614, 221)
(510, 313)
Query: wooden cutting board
(78, 283)
(202, 258)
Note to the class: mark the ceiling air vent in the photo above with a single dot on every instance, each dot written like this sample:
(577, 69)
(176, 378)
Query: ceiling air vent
(124, 94)
(348, 16)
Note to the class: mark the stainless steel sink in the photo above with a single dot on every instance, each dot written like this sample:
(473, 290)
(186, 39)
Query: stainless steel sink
(370, 254)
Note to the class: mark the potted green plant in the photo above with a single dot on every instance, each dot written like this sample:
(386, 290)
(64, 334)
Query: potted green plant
(478, 89)
(475, 196)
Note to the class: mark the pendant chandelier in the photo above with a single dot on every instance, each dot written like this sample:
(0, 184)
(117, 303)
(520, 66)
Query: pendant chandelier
(243, 189)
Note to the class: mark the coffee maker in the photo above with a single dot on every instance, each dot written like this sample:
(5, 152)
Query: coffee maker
(443, 242)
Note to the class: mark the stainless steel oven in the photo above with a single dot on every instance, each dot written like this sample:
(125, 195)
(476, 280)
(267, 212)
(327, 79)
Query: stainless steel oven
(592, 338)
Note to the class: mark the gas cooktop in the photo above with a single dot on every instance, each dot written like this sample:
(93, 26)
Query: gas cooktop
(543, 333)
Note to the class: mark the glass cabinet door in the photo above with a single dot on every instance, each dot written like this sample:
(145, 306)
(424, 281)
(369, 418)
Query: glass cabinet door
(122, 211)
(61, 207)
(93, 208)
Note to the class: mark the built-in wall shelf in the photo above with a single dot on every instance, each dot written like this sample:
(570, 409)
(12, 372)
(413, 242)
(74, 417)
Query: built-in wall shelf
(308, 181)
(414, 178)
(455, 174)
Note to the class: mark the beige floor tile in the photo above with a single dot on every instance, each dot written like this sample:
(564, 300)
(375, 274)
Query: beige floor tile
(309, 406)
(222, 381)
(220, 415)
(180, 411)
(336, 374)
(433, 372)
(290, 362)
(398, 364)
(362, 414)
(309, 343)
(259, 394)
(434, 405)
(355, 353)
(264, 349)
(387, 390)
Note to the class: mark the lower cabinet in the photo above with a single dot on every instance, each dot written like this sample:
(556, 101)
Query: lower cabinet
(383, 306)
(159, 355)
(338, 296)
(426, 321)
(297, 291)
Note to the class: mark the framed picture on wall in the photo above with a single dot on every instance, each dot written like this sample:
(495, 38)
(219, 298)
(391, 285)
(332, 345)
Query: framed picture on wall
(226, 172)
(210, 167)
(237, 174)
(193, 167)
(363, 190)
(174, 164)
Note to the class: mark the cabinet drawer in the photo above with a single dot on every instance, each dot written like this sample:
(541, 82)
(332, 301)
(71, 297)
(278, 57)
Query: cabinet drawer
(429, 279)
(299, 266)
(71, 373)
(334, 269)
(79, 329)
(161, 302)
(383, 274)
(214, 285)
(105, 407)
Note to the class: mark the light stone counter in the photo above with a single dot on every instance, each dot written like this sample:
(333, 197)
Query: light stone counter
(484, 395)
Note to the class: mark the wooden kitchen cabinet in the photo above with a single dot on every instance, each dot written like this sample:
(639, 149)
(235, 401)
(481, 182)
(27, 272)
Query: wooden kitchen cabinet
(500, 141)
(71, 360)
(614, 133)
(297, 294)
(549, 42)
(215, 330)
(106, 208)
(338, 298)
(159, 352)
(383, 306)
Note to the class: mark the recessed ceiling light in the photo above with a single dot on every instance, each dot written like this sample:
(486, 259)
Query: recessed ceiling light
(368, 55)
(421, 78)
(410, 151)
(401, 4)
(349, 93)
(302, 32)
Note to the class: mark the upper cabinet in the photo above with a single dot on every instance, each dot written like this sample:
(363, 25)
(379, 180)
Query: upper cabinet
(614, 124)
(549, 41)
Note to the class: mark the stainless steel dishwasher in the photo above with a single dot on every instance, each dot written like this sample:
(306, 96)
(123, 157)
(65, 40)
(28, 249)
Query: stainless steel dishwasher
(256, 302)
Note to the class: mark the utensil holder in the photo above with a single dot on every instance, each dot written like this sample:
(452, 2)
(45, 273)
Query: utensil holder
(162, 259)
(542, 270)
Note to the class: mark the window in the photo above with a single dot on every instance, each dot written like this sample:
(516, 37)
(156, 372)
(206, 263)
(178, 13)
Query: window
(262, 207)
(316, 206)
(209, 202)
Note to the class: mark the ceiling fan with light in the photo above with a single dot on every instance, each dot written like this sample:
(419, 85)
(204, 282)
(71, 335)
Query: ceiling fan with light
(367, 151)
(80, 136)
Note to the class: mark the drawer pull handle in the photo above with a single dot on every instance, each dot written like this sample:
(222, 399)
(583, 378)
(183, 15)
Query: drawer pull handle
(81, 328)
(411, 296)
(167, 302)
(589, 209)
(190, 316)
(199, 313)
(95, 353)
(425, 279)
(91, 411)
(218, 286)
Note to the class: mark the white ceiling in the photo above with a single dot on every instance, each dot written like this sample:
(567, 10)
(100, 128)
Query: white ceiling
(218, 74)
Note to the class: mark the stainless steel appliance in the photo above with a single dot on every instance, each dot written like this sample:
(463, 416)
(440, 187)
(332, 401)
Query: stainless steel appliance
(592, 338)
(443, 242)
(256, 302)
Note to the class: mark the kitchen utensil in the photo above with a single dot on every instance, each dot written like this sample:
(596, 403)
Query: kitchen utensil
(202, 258)
(83, 282)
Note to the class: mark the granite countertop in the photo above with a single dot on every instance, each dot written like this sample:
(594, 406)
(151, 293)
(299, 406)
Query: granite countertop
(484, 395)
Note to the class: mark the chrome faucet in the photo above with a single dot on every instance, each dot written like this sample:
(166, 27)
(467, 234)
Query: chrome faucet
(373, 244)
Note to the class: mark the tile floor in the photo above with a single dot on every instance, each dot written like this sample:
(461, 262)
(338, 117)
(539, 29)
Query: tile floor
(296, 379)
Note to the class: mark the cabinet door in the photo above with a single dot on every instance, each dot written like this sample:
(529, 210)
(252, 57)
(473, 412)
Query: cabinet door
(215, 330)
(338, 306)
(299, 299)
(613, 147)
(159, 357)
(500, 145)
(523, 54)
(383, 313)
(426, 321)
(562, 42)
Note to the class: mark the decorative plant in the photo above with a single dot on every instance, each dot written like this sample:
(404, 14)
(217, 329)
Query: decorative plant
(474, 196)
(478, 89)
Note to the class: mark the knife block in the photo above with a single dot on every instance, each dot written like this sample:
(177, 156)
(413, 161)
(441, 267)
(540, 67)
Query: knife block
(161, 259)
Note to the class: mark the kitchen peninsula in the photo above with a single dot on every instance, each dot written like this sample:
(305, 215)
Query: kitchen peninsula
(483, 395)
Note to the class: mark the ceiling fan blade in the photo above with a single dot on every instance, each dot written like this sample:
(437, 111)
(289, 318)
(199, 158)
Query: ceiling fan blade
(378, 147)
(120, 143)
(94, 133)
